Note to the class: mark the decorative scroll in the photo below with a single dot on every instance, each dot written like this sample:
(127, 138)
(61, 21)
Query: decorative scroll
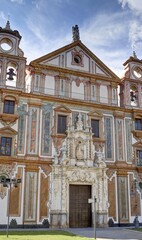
(21, 128)
(123, 198)
(33, 131)
(128, 125)
(44, 196)
(120, 139)
(112, 198)
(45, 137)
(31, 196)
(109, 137)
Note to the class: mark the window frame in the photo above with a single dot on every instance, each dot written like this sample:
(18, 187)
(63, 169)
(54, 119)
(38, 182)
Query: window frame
(7, 107)
(60, 129)
(139, 160)
(98, 128)
(5, 140)
(138, 125)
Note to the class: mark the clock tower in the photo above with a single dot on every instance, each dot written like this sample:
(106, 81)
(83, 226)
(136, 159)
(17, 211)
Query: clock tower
(131, 86)
(12, 60)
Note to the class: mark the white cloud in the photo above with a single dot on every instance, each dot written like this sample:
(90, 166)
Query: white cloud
(134, 5)
(97, 33)
(3, 16)
(17, 1)
(135, 22)
(135, 34)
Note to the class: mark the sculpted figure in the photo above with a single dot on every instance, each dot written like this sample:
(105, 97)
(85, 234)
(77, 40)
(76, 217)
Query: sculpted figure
(80, 151)
(75, 33)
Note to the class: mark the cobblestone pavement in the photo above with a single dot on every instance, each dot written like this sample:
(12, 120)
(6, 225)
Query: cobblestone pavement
(107, 233)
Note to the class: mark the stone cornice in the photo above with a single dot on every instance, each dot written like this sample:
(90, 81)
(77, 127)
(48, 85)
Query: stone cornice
(40, 67)
(23, 160)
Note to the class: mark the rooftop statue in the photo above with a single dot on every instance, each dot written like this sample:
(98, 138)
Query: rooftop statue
(75, 33)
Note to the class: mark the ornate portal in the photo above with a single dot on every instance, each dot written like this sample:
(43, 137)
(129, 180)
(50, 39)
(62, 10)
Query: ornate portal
(78, 164)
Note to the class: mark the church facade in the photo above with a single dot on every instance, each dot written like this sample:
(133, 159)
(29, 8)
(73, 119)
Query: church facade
(70, 137)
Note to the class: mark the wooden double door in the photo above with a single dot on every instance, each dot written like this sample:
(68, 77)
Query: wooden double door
(79, 208)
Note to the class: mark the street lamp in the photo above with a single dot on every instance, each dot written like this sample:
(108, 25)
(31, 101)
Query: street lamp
(9, 182)
(136, 221)
(93, 201)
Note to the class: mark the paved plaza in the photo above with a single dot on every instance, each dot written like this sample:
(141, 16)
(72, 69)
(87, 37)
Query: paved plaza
(117, 233)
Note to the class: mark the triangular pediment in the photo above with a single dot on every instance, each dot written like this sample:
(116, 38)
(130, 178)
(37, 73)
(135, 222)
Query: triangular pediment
(75, 57)
(62, 108)
(95, 114)
(8, 130)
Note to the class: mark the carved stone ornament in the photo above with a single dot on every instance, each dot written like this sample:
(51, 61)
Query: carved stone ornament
(8, 118)
(8, 171)
(81, 175)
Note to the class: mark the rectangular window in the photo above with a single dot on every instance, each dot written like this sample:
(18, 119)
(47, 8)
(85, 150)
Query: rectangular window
(95, 127)
(139, 157)
(138, 124)
(9, 106)
(62, 124)
(5, 148)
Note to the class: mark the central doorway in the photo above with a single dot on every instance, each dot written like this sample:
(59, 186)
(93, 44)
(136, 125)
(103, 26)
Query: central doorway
(79, 208)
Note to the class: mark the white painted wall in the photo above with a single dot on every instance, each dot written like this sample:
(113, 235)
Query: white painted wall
(54, 61)
(103, 94)
(49, 85)
(77, 92)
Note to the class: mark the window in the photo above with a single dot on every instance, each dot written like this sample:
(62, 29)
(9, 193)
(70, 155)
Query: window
(139, 157)
(62, 124)
(5, 148)
(95, 127)
(138, 124)
(9, 106)
(77, 59)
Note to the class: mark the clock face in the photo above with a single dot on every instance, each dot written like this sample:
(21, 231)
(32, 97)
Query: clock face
(137, 72)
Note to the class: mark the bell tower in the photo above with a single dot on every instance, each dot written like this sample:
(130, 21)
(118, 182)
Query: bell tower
(131, 86)
(12, 60)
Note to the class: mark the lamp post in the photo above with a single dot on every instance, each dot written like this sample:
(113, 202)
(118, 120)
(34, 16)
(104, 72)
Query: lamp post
(136, 221)
(9, 182)
(94, 200)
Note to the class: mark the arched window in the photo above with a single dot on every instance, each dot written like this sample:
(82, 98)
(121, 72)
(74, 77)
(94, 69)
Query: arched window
(133, 95)
(11, 74)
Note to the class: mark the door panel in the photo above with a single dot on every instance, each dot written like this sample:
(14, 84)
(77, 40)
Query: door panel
(79, 208)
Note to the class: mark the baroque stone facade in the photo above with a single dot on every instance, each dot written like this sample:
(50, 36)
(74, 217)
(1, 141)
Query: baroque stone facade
(68, 135)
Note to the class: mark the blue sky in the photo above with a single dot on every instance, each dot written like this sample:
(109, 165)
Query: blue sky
(111, 29)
